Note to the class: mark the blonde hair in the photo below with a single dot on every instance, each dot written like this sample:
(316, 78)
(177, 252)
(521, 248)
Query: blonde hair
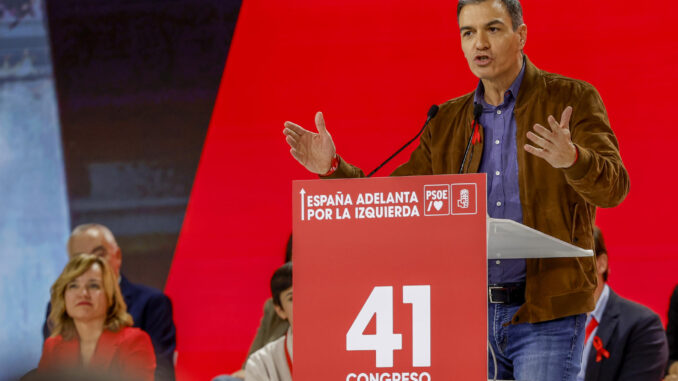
(116, 317)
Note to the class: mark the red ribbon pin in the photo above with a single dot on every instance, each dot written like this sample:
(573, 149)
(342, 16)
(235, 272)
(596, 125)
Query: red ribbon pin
(476, 133)
(600, 351)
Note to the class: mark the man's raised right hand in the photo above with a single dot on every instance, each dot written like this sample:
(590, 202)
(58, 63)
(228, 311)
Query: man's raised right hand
(313, 151)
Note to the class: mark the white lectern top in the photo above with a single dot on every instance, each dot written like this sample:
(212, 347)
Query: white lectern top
(508, 239)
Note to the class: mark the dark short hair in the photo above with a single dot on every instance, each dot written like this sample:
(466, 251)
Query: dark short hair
(288, 249)
(281, 281)
(513, 7)
(599, 246)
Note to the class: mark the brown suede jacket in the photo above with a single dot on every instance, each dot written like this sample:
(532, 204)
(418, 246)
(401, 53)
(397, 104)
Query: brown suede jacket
(558, 202)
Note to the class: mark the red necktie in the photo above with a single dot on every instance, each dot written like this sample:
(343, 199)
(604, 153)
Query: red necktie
(590, 327)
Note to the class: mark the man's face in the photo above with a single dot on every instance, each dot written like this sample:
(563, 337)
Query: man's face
(85, 296)
(285, 308)
(93, 241)
(491, 47)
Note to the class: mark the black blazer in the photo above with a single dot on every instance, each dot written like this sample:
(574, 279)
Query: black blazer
(672, 327)
(635, 338)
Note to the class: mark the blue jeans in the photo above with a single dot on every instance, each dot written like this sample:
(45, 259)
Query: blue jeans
(547, 351)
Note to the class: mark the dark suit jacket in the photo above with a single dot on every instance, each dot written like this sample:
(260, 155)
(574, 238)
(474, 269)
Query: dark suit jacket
(672, 327)
(152, 312)
(127, 353)
(635, 338)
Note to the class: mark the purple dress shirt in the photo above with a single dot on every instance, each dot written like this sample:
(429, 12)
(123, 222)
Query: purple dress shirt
(500, 163)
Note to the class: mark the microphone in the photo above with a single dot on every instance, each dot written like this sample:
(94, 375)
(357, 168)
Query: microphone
(430, 115)
(477, 111)
(432, 111)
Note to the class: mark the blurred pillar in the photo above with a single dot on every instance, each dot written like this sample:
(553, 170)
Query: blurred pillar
(34, 222)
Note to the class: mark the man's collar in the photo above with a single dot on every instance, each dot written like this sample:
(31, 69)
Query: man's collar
(601, 303)
(515, 86)
(532, 79)
(478, 97)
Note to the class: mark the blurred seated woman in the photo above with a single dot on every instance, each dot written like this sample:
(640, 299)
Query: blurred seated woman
(91, 329)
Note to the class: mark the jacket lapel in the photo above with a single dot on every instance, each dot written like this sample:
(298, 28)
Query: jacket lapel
(528, 99)
(125, 288)
(107, 347)
(475, 152)
(68, 353)
(605, 331)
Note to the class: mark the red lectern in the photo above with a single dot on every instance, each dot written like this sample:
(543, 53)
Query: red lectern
(390, 279)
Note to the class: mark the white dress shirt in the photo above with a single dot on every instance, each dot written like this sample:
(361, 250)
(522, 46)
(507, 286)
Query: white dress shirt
(598, 314)
(270, 362)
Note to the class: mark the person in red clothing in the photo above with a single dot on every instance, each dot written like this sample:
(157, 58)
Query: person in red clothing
(91, 329)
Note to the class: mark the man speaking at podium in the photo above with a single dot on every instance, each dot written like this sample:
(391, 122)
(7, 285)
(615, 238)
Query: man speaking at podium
(551, 158)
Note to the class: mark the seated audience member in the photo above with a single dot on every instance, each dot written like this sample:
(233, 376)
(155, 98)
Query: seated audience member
(672, 336)
(624, 340)
(91, 329)
(273, 362)
(150, 308)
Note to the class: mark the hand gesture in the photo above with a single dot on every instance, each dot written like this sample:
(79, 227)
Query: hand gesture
(313, 151)
(556, 144)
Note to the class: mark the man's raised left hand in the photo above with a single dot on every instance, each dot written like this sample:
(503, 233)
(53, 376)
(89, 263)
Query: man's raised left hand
(554, 145)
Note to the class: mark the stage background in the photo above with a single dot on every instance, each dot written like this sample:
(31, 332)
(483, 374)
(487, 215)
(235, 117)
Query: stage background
(137, 85)
(374, 67)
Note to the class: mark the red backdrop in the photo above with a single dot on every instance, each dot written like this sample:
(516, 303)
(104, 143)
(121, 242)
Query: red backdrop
(374, 67)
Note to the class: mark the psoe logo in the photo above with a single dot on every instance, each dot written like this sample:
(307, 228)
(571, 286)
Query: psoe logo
(437, 200)
(464, 199)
